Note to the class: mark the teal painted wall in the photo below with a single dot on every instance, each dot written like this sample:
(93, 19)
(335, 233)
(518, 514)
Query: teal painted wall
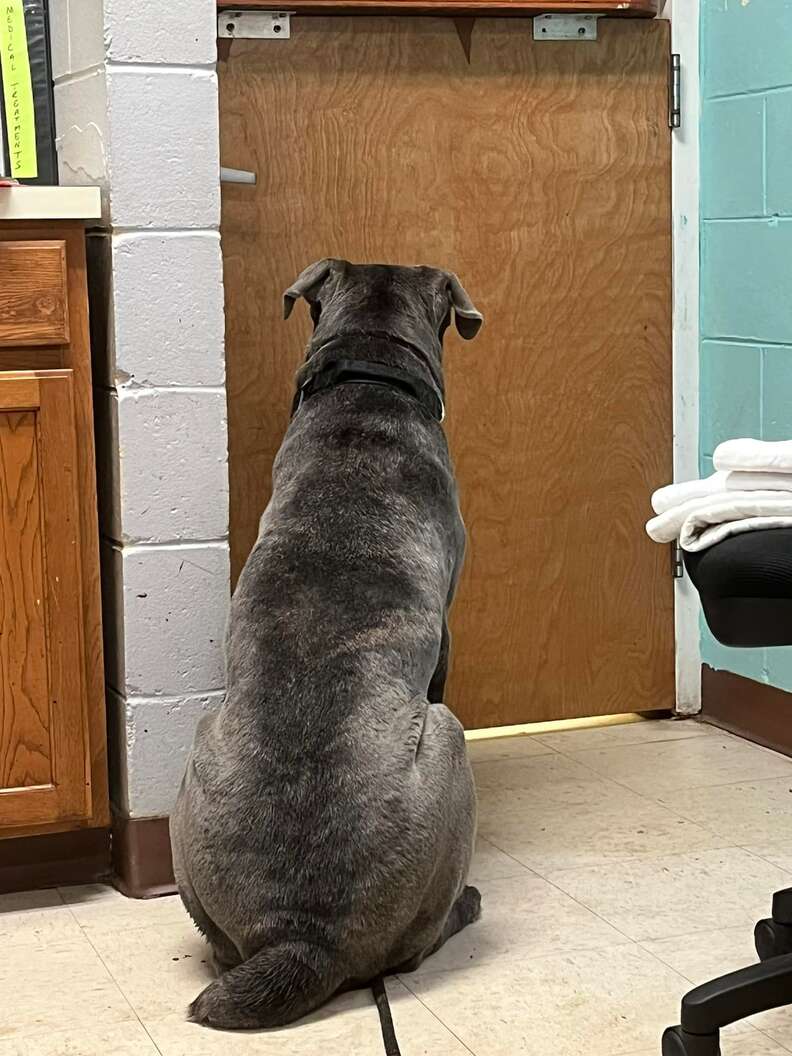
(746, 248)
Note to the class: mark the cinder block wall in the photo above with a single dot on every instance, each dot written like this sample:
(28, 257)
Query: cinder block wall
(136, 109)
(746, 265)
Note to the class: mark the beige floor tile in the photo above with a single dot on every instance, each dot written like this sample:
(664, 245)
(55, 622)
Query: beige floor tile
(750, 813)
(596, 824)
(159, 969)
(627, 733)
(777, 1025)
(779, 854)
(35, 918)
(664, 768)
(522, 917)
(64, 986)
(519, 746)
(659, 898)
(490, 863)
(125, 1039)
(601, 1003)
(557, 778)
(706, 954)
(347, 1025)
(99, 907)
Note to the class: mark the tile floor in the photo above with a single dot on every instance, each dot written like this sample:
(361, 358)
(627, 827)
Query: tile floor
(617, 865)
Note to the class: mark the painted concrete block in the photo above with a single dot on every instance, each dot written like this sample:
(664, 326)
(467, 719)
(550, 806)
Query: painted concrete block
(173, 478)
(82, 130)
(746, 45)
(179, 32)
(77, 36)
(159, 733)
(779, 153)
(731, 397)
(777, 393)
(168, 309)
(165, 148)
(745, 278)
(732, 157)
(175, 602)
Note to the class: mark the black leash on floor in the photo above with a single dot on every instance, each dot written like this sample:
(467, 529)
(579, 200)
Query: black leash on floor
(385, 1017)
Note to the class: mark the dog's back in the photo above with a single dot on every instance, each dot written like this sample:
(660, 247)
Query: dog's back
(325, 823)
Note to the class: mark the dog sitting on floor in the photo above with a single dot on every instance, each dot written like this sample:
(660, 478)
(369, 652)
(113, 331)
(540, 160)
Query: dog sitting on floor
(326, 820)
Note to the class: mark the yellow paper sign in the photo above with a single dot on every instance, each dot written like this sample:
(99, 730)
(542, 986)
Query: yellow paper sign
(17, 91)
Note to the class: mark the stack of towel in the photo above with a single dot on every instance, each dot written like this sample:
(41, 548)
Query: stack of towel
(751, 489)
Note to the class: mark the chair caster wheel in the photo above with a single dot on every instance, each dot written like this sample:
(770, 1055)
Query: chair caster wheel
(772, 939)
(677, 1042)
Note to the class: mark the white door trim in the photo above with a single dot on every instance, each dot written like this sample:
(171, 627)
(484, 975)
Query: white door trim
(684, 15)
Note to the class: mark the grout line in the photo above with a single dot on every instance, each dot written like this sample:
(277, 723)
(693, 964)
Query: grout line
(74, 76)
(434, 1015)
(115, 982)
(778, 89)
(764, 153)
(163, 544)
(774, 219)
(755, 342)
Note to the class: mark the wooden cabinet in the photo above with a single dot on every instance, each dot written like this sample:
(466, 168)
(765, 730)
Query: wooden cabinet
(52, 727)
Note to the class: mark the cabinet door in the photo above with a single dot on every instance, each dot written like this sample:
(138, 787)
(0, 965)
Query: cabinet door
(44, 771)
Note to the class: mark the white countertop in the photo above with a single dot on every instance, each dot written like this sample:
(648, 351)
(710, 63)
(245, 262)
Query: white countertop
(50, 203)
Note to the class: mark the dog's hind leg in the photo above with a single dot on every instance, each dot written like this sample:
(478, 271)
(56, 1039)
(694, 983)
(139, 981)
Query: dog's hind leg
(225, 955)
(464, 911)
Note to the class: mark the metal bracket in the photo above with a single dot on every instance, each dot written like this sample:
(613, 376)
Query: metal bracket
(565, 27)
(675, 92)
(677, 563)
(254, 25)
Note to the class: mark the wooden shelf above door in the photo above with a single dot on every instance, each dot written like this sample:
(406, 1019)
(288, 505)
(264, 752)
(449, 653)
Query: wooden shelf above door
(625, 8)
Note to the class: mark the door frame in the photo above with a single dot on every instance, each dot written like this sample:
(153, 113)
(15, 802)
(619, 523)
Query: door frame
(684, 15)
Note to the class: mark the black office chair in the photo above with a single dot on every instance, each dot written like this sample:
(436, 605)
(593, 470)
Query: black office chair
(745, 584)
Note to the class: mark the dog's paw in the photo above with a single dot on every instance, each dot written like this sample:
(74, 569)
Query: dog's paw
(471, 904)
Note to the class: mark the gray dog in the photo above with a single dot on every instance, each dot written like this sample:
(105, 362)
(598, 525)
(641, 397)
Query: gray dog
(326, 820)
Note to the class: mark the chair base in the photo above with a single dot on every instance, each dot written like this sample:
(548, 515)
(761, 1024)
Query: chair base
(677, 1042)
(757, 988)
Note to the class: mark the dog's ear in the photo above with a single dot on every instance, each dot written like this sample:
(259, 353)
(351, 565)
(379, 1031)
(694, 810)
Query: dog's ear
(306, 284)
(467, 318)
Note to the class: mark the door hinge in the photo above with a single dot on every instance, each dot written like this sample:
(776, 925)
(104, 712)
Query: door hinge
(254, 25)
(677, 564)
(675, 92)
(565, 27)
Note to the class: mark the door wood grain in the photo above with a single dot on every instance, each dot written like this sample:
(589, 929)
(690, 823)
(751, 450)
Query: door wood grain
(540, 172)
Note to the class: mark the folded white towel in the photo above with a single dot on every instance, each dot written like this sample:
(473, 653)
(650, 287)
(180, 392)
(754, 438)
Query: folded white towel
(672, 495)
(704, 521)
(698, 532)
(762, 455)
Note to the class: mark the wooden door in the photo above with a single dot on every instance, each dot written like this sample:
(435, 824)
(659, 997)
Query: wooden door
(44, 763)
(540, 172)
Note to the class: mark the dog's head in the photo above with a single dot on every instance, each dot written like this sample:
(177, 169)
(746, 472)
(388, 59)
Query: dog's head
(414, 304)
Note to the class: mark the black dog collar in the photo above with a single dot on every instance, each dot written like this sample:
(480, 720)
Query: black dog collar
(367, 372)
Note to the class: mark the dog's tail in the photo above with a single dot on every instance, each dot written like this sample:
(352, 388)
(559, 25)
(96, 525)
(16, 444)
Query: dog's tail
(275, 986)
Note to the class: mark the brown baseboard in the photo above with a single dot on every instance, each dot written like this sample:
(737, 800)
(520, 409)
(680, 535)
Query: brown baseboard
(142, 862)
(754, 710)
(54, 859)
